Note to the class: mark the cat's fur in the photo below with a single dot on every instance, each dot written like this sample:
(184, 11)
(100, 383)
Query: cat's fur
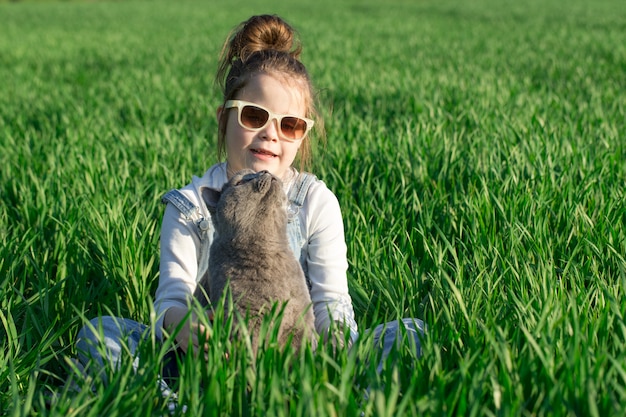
(251, 254)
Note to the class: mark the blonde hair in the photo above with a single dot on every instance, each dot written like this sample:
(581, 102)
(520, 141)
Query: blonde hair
(265, 44)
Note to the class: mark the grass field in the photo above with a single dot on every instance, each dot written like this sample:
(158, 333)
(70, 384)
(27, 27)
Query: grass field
(476, 148)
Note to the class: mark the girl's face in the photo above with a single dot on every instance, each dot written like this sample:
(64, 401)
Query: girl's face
(264, 149)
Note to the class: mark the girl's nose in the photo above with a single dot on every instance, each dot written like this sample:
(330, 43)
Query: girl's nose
(271, 131)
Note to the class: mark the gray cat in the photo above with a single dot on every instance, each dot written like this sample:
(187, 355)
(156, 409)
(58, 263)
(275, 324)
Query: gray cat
(250, 253)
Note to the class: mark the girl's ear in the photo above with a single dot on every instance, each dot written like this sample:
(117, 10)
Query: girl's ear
(211, 196)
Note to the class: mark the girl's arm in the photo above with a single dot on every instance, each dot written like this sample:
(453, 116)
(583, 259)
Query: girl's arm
(180, 245)
(327, 262)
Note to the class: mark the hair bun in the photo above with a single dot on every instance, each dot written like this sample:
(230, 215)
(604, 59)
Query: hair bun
(264, 32)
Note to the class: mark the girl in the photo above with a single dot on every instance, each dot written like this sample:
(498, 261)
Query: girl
(264, 120)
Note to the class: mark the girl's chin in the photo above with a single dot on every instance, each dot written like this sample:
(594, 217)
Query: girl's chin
(271, 168)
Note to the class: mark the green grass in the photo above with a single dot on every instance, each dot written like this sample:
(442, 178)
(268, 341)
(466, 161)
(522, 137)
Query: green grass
(477, 150)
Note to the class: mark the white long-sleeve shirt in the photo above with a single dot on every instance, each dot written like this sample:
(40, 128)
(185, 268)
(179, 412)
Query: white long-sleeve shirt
(324, 249)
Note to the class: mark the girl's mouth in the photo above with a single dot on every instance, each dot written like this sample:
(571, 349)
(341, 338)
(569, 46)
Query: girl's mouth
(262, 153)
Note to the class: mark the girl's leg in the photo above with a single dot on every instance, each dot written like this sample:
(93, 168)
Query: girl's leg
(387, 335)
(105, 338)
(102, 342)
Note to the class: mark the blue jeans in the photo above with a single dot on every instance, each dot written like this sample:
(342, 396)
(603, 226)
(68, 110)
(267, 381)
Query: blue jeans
(120, 334)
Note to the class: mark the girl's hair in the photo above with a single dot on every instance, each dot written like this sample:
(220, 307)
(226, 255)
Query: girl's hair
(264, 44)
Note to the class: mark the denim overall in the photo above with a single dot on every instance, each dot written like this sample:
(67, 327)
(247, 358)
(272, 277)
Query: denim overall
(296, 197)
(119, 332)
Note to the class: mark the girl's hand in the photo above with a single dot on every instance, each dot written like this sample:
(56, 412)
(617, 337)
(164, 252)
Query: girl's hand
(192, 330)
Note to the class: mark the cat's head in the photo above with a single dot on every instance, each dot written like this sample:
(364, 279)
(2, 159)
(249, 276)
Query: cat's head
(250, 202)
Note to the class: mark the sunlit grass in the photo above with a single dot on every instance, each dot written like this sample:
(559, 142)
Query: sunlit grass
(477, 151)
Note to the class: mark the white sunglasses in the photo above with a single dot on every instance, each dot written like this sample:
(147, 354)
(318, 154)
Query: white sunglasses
(253, 117)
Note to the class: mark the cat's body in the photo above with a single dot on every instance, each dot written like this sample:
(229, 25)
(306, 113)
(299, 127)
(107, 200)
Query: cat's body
(251, 255)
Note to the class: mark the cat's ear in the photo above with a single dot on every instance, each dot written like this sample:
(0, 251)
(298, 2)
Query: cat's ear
(211, 196)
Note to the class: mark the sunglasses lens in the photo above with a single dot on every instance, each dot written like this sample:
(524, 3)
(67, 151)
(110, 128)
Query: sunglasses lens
(253, 117)
(293, 127)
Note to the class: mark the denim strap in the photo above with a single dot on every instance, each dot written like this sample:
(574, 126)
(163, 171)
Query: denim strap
(187, 208)
(296, 197)
(297, 194)
(298, 191)
(181, 202)
(301, 187)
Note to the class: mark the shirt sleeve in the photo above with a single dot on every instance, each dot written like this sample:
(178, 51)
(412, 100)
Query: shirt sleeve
(178, 264)
(327, 262)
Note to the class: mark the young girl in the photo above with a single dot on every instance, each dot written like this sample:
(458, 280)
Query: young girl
(264, 120)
